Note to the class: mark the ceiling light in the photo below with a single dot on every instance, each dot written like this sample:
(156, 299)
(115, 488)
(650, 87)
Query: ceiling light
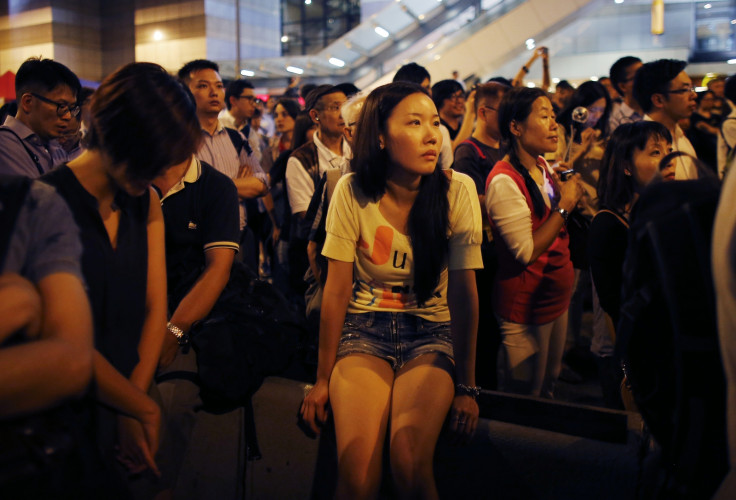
(246, 72)
(619, 1)
(437, 57)
(158, 35)
(381, 32)
(337, 62)
(308, 2)
(707, 6)
(284, 39)
(593, 78)
(530, 44)
(731, 61)
(295, 70)
(420, 17)
(430, 46)
(531, 85)
(555, 80)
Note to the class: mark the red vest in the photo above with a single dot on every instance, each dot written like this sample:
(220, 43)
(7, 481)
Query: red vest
(539, 292)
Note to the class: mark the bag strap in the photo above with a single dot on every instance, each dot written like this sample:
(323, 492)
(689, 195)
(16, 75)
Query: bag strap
(480, 153)
(238, 141)
(13, 191)
(618, 216)
(33, 155)
(721, 131)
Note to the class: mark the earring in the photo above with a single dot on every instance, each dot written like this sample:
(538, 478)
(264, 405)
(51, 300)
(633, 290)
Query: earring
(380, 144)
(317, 118)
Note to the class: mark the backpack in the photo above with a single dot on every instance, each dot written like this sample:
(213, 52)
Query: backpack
(667, 335)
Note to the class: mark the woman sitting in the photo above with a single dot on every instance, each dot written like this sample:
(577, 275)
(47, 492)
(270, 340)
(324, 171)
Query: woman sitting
(410, 234)
(528, 207)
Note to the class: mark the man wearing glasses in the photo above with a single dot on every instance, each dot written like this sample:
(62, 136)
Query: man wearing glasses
(240, 99)
(666, 95)
(47, 102)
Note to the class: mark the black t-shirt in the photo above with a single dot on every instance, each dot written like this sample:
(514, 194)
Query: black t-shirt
(476, 160)
(453, 131)
(202, 216)
(607, 244)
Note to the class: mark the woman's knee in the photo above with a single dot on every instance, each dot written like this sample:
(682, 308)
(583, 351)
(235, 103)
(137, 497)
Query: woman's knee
(411, 462)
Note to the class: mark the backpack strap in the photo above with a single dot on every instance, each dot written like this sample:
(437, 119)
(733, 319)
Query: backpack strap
(13, 191)
(33, 155)
(238, 141)
(477, 149)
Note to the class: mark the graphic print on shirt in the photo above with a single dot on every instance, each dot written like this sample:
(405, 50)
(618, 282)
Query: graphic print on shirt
(396, 297)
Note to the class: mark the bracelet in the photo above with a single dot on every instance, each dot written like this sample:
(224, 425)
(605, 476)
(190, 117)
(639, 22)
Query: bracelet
(181, 337)
(564, 213)
(526, 70)
(466, 390)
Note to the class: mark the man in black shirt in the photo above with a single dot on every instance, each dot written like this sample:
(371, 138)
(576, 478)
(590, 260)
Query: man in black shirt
(476, 157)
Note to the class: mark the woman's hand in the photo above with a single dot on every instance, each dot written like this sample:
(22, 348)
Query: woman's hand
(138, 441)
(314, 407)
(463, 418)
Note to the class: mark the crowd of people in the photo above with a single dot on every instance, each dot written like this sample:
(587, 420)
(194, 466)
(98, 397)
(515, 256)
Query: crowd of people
(434, 239)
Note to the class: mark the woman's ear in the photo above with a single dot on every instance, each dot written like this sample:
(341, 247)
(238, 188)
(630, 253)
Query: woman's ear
(381, 143)
(515, 128)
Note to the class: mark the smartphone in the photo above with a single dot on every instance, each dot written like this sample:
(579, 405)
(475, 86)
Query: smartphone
(566, 174)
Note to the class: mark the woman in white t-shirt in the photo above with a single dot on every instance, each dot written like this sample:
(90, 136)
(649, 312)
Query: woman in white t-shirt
(403, 239)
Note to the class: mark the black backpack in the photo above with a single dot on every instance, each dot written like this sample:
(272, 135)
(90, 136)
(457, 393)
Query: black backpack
(667, 336)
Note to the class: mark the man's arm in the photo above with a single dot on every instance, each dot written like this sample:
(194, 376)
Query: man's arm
(252, 181)
(200, 300)
(43, 372)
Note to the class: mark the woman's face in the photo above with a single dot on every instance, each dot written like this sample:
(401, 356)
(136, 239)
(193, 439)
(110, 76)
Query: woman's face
(538, 133)
(646, 161)
(283, 121)
(595, 111)
(412, 138)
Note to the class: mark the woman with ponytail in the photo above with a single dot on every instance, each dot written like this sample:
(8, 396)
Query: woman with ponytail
(403, 240)
(528, 205)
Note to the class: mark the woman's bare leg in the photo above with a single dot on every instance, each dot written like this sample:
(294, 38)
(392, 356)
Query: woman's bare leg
(360, 395)
(422, 395)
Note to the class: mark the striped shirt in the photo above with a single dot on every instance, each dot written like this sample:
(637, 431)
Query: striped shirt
(218, 150)
(15, 160)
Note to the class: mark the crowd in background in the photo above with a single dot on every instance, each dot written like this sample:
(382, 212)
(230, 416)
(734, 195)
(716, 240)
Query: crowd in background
(440, 235)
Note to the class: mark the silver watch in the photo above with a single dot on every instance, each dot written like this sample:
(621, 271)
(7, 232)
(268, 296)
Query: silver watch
(564, 213)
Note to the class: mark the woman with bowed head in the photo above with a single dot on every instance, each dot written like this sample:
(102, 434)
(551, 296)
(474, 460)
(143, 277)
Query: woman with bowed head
(528, 205)
(143, 122)
(631, 161)
(403, 239)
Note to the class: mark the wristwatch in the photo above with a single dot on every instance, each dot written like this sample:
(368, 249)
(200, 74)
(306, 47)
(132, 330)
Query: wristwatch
(181, 337)
(564, 213)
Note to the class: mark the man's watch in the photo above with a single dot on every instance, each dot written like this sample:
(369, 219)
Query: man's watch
(564, 213)
(181, 337)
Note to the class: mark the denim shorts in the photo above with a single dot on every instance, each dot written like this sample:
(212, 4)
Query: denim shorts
(394, 336)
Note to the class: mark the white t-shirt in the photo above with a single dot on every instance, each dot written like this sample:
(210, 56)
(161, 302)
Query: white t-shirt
(357, 232)
(299, 182)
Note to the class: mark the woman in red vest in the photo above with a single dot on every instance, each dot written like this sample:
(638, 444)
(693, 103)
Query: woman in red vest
(528, 205)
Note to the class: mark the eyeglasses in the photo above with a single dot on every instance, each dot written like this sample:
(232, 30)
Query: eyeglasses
(250, 98)
(61, 107)
(460, 95)
(686, 90)
(333, 107)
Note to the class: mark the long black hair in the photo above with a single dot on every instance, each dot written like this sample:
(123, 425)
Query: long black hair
(516, 106)
(616, 188)
(429, 216)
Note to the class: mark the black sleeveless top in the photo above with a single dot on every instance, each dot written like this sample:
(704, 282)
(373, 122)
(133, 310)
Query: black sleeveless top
(116, 277)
